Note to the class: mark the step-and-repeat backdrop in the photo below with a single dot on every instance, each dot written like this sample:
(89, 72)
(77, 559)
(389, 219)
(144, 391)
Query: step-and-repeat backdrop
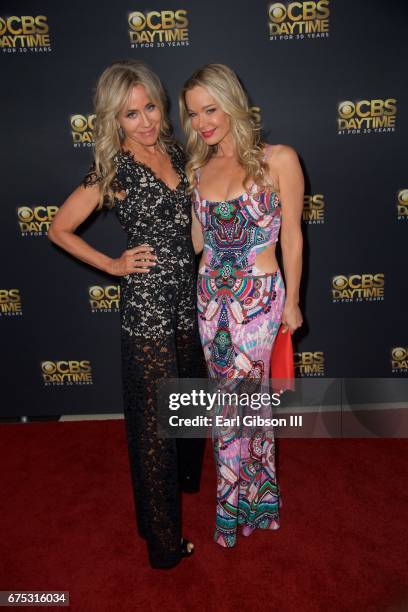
(327, 77)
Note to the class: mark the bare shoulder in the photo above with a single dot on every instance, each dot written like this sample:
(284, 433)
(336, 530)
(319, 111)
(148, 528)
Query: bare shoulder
(281, 155)
(284, 167)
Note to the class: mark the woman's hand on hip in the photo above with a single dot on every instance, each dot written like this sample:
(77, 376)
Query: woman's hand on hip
(139, 259)
(291, 317)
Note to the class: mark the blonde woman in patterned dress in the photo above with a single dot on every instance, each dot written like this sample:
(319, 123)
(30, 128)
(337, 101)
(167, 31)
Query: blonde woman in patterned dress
(245, 193)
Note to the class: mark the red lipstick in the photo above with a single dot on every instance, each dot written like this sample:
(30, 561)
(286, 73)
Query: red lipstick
(208, 134)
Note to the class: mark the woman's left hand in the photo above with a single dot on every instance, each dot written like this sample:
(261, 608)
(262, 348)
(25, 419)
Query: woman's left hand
(291, 318)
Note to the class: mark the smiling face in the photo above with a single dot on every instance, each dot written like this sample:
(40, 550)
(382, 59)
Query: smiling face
(140, 118)
(206, 115)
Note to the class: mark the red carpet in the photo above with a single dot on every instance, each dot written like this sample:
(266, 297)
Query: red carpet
(68, 524)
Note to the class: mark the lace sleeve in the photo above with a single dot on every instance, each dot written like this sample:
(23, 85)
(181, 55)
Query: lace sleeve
(91, 178)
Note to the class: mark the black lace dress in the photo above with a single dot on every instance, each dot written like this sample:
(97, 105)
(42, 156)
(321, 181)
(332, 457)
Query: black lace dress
(159, 340)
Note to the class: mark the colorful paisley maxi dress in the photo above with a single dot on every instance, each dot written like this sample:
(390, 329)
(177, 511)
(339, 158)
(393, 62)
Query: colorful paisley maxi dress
(240, 309)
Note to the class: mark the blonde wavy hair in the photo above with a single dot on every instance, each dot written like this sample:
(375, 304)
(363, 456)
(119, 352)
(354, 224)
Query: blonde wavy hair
(112, 92)
(223, 85)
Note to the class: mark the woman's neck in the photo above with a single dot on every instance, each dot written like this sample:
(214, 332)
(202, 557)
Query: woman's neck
(142, 151)
(226, 148)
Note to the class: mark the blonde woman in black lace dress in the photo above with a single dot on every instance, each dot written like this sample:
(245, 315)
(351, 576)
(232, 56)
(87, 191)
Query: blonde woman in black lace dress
(139, 171)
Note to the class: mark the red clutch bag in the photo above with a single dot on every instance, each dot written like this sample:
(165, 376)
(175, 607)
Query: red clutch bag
(282, 371)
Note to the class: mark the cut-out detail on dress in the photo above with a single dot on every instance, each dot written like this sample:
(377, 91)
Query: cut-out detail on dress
(265, 262)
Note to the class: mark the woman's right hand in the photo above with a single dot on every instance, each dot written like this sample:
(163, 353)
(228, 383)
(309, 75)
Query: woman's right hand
(139, 259)
(77, 207)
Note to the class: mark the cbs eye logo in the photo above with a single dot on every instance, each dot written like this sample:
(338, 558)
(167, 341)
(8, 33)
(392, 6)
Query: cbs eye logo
(402, 206)
(340, 282)
(82, 123)
(399, 359)
(24, 213)
(96, 293)
(399, 353)
(403, 197)
(48, 367)
(277, 12)
(137, 21)
(346, 109)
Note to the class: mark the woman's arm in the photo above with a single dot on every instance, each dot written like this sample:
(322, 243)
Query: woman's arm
(78, 206)
(196, 233)
(291, 188)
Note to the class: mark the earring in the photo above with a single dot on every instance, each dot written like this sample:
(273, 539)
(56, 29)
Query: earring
(121, 132)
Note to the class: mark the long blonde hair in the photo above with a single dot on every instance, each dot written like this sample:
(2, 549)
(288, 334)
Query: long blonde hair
(112, 91)
(223, 84)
